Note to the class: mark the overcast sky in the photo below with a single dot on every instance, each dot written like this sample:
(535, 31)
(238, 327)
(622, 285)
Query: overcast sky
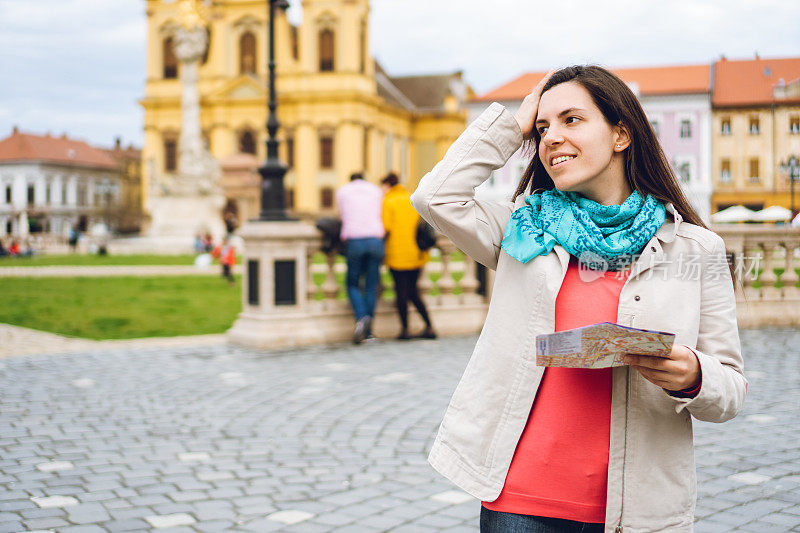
(78, 66)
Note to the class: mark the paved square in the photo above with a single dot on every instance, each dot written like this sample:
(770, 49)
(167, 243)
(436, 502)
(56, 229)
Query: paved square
(219, 438)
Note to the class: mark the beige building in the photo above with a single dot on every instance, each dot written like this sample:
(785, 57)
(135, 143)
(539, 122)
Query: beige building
(756, 128)
(339, 111)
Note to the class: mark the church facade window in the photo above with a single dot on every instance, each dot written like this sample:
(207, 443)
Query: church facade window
(247, 142)
(170, 60)
(326, 50)
(247, 53)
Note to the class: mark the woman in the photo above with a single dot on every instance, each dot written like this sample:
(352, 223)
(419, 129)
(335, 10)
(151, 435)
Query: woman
(576, 449)
(404, 259)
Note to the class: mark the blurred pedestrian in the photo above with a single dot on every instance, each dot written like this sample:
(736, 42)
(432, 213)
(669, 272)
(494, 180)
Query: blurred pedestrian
(72, 239)
(226, 254)
(359, 204)
(208, 242)
(403, 257)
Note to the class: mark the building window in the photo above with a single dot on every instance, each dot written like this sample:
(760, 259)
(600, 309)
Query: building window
(247, 54)
(365, 149)
(81, 194)
(326, 197)
(363, 46)
(754, 126)
(47, 193)
(326, 151)
(725, 171)
(295, 49)
(794, 124)
(326, 50)
(686, 129)
(170, 155)
(31, 194)
(685, 172)
(290, 152)
(8, 194)
(247, 142)
(754, 174)
(389, 143)
(170, 61)
(654, 125)
(726, 126)
(63, 193)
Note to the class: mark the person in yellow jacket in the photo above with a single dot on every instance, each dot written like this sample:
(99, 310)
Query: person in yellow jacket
(404, 259)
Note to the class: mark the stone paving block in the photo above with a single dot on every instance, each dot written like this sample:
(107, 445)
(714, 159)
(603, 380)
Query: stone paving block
(82, 529)
(414, 528)
(45, 523)
(87, 513)
(131, 524)
(130, 512)
(211, 526)
(260, 525)
(43, 513)
(170, 520)
(11, 527)
(54, 501)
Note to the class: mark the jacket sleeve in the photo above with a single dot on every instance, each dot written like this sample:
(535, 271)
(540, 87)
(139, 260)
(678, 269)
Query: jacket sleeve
(445, 197)
(718, 348)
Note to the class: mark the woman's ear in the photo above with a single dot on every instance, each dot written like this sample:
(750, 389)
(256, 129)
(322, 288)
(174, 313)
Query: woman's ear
(621, 137)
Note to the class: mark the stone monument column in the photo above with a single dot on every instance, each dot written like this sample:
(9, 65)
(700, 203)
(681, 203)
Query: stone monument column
(189, 202)
(190, 45)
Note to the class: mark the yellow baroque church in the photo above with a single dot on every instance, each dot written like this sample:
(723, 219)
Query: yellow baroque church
(340, 112)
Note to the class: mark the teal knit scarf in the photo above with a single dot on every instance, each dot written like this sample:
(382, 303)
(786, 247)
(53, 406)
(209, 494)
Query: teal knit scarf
(603, 237)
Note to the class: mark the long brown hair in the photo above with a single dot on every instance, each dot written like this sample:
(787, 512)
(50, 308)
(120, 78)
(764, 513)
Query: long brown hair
(646, 167)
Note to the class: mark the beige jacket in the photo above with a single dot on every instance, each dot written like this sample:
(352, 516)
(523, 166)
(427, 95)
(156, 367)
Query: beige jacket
(679, 284)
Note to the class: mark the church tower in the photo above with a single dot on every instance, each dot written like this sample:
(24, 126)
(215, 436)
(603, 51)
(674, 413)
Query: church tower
(340, 112)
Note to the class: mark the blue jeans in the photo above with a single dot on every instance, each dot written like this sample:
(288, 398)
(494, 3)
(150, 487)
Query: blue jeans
(497, 522)
(364, 258)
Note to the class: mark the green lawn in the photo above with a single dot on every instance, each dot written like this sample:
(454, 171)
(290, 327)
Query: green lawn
(121, 307)
(96, 260)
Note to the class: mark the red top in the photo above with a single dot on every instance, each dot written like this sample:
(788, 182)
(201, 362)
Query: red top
(560, 466)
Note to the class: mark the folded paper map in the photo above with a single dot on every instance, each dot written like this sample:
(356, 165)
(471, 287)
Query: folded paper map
(599, 345)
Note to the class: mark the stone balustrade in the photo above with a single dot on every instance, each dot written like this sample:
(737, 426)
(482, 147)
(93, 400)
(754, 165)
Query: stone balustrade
(766, 261)
(315, 309)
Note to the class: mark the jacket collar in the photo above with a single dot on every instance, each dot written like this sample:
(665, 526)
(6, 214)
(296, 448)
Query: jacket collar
(668, 230)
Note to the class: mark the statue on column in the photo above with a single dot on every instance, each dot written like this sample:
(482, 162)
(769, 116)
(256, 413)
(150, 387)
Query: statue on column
(197, 170)
(191, 200)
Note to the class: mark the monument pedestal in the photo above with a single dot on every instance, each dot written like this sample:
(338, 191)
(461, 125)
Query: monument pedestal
(178, 219)
(275, 311)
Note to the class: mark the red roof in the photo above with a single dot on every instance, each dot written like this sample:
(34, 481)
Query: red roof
(752, 81)
(62, 150)
(686, 79)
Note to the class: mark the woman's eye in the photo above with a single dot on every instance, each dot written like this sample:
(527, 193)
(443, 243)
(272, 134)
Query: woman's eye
(570, 120)
(542, 130)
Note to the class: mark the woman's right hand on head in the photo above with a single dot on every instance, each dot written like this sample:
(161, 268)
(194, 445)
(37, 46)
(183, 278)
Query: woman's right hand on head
(526, 115)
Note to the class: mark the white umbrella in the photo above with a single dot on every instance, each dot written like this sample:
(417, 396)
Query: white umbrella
(736, 213)
(773, 213)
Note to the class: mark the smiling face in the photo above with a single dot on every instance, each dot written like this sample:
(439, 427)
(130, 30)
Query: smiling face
(580, 150)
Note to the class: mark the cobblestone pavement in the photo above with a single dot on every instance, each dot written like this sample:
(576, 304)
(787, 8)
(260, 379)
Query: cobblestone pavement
(215, 438)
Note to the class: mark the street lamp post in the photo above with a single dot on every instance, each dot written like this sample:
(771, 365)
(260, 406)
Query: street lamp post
(791, 168)
(273, 170)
